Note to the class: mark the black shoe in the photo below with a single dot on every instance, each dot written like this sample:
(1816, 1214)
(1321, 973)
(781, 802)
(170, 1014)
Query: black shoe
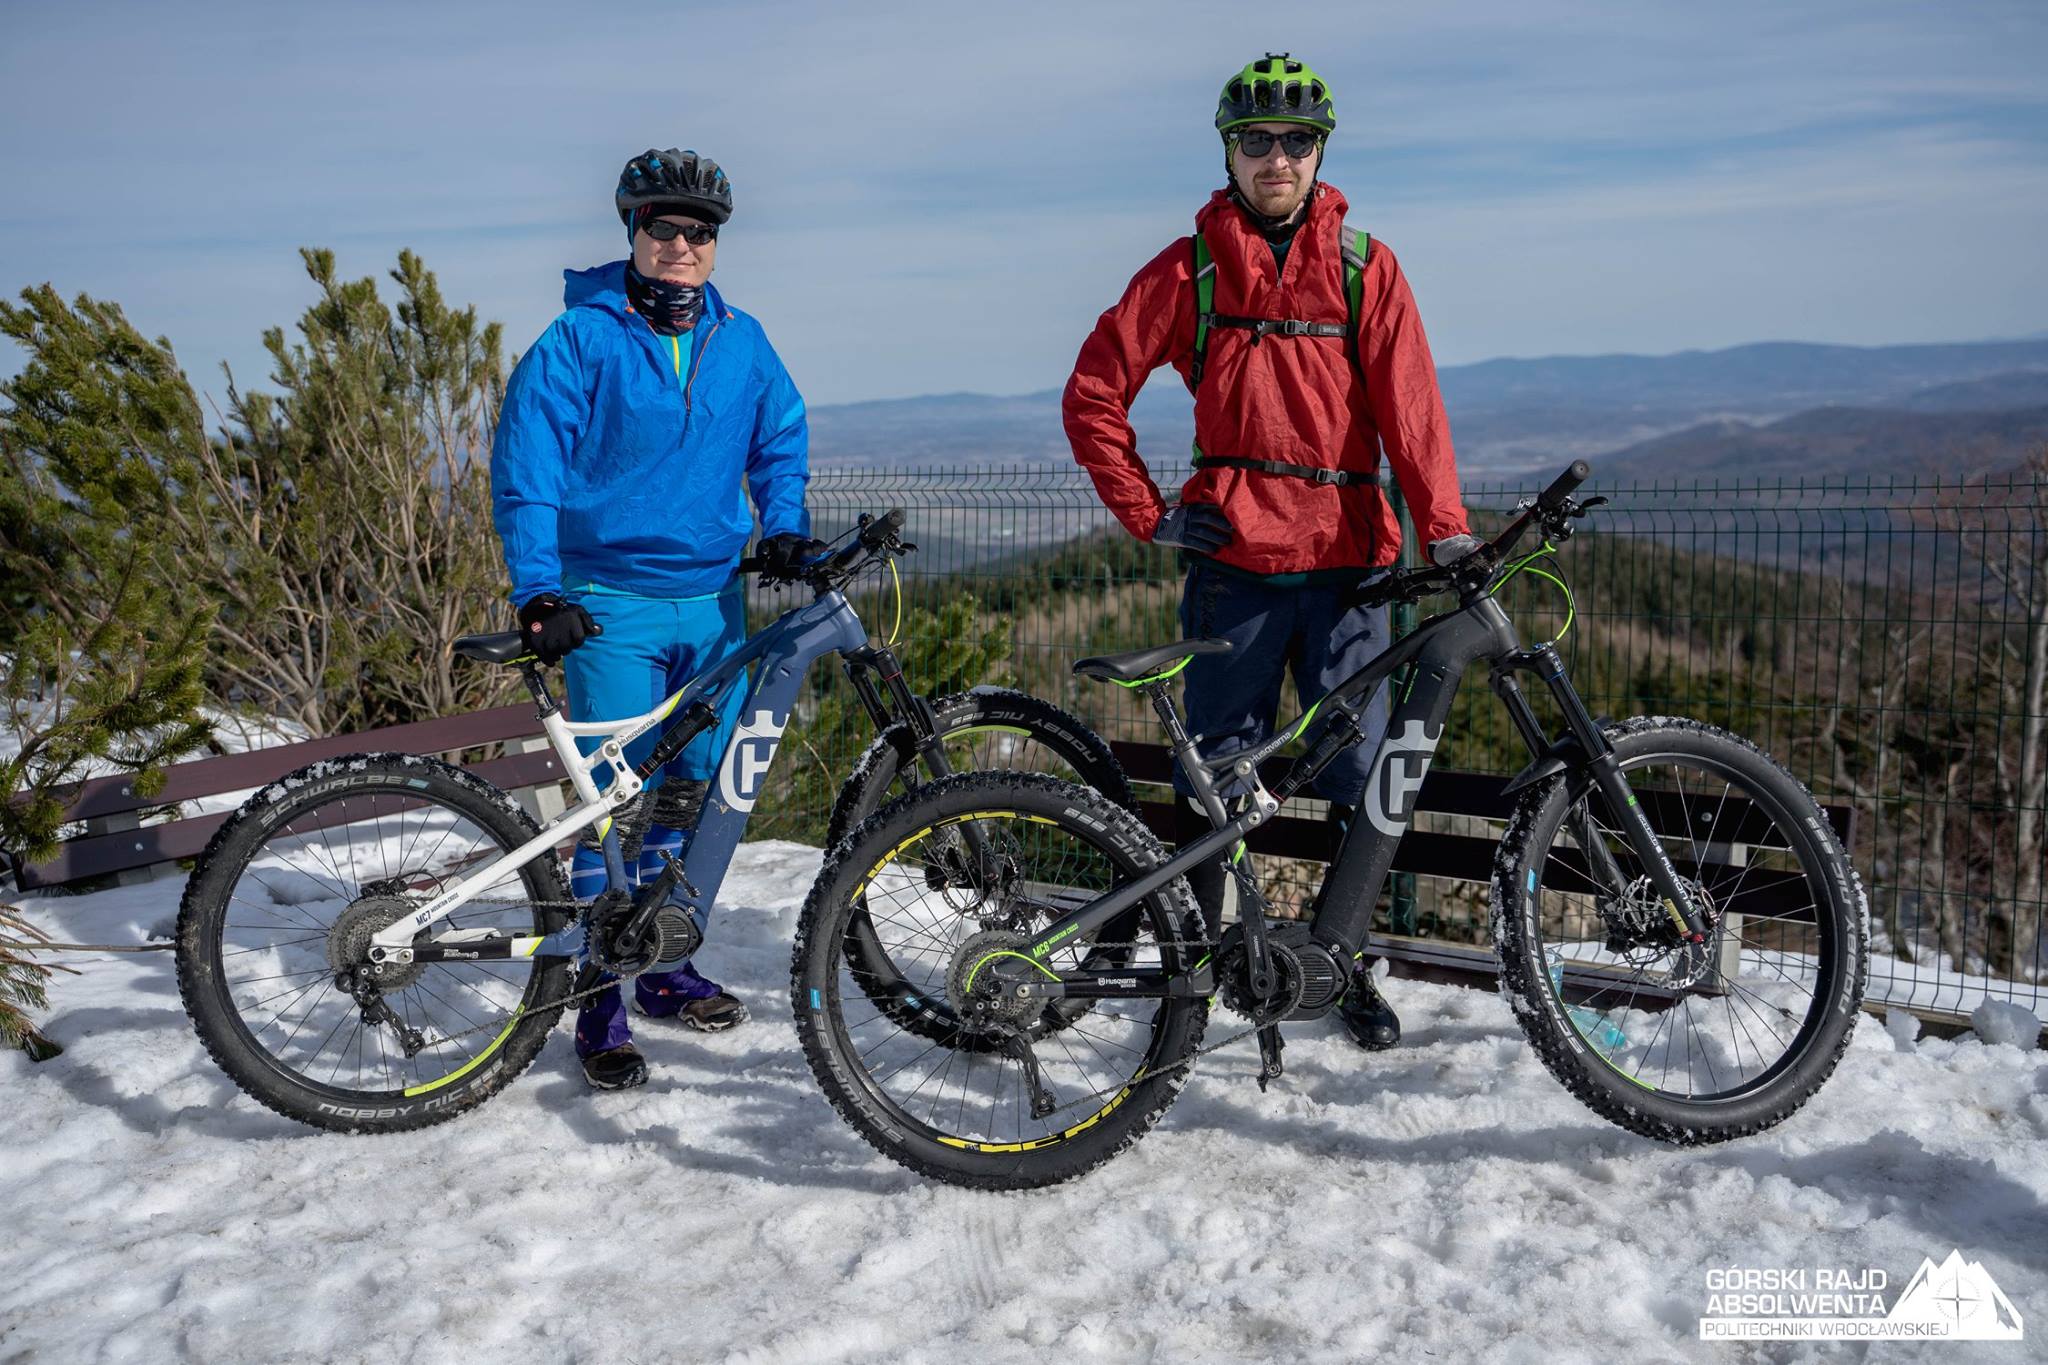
(1372, 1023)
(618, 1068)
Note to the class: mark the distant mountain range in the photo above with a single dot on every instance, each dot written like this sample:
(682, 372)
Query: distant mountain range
(1773, 408)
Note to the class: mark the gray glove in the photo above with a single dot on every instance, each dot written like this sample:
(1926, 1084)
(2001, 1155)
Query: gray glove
(1197, 526)
(1448, 551)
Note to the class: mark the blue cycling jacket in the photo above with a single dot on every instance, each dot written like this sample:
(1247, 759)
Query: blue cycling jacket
(624, 458)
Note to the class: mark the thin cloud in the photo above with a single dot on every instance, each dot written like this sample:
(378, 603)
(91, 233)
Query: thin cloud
(935, 198)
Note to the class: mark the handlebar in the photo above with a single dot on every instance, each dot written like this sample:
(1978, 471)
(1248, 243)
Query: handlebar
(1553, 507)
(1553, 498)
(874, 537)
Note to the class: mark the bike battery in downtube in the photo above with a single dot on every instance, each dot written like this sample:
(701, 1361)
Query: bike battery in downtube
(695, 720)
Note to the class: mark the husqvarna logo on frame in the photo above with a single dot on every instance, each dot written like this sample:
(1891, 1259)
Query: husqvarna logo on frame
(1397, 777)
(747, 759)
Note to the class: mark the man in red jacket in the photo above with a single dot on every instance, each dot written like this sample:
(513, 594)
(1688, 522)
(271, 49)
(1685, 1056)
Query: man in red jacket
(1294, 399)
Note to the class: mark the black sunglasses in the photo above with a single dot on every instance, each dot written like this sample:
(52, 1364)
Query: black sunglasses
(1297, 142)
(696, 234)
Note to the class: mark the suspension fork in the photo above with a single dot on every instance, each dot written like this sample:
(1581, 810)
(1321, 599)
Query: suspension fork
(1605, 871)
(1604, 768)
(894, 701)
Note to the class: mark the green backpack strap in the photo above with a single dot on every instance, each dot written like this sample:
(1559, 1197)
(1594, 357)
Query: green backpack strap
(1205, 308)
(1357, 248)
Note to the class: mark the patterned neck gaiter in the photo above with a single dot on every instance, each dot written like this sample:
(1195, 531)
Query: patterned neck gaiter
(668, 308)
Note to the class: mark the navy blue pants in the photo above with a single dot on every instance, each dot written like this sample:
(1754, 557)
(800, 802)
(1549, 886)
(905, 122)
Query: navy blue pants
(1232, 699)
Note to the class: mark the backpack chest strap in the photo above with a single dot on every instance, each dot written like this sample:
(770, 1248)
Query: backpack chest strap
(1261, 328)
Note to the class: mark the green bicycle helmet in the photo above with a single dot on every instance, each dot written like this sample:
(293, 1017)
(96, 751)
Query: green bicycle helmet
(1276, 89)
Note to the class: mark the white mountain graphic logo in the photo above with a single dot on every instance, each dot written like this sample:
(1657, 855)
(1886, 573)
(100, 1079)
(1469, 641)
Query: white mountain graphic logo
(1960, 1295)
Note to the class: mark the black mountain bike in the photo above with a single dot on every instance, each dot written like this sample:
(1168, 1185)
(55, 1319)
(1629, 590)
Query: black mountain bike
(1679, 931)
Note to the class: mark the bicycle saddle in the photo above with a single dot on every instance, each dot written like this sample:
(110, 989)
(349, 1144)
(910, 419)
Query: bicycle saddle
(499, 647)
(1140, 664)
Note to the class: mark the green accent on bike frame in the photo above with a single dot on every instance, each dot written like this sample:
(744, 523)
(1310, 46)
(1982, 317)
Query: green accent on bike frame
(1041, 949)
(1526, 564)
(1006, 952)
(472, 1064)
(1156, 677)
(1303, 723)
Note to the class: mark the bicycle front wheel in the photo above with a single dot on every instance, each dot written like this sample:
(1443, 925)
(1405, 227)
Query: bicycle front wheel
(1000, 852)
(278, 915)
(1686, 1043)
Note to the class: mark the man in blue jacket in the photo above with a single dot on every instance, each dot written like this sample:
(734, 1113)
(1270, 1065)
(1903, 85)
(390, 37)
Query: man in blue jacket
(631, 436)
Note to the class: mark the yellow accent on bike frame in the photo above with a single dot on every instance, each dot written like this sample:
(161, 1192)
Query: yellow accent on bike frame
(472, 1064)
(897, 628)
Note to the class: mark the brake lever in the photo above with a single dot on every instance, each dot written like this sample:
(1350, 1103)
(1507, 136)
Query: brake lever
(1580, 509)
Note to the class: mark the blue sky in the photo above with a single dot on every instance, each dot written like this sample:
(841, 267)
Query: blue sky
(936, 197)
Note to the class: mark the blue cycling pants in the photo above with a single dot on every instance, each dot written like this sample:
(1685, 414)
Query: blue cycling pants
(650, 648)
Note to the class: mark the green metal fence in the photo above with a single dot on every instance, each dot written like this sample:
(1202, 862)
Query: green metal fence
(1886, 639)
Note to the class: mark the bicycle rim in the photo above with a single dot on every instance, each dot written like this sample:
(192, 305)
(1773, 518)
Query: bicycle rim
(1696, 1024)
(911, 1055)
(302, 903)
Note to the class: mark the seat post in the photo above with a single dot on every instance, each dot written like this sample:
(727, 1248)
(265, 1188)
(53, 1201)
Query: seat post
(1161, 696)
(537, 684)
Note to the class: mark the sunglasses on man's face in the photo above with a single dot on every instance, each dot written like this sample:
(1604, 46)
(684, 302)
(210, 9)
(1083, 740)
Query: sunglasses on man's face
(1297, 143)
(696, 234)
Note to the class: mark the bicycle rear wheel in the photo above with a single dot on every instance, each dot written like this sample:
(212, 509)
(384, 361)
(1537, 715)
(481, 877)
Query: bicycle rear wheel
(280, 908)
(1684, 1043)
(959, 1106)
(984, 730)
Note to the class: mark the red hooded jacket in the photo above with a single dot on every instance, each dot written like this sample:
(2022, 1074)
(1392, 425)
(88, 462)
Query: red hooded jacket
(1296, 399)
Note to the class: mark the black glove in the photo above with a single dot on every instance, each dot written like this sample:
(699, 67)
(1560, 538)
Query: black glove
(782, 555)
(552, 627)
(1197, 526)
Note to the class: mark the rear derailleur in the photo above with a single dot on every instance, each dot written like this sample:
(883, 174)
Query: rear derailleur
(363, 988)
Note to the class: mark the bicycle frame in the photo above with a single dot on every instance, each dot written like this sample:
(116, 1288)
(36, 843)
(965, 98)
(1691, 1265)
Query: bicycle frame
(1438, 652)
(784, 651)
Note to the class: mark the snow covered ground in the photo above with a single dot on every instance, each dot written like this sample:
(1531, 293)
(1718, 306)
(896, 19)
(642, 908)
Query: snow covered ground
(1446, 1201)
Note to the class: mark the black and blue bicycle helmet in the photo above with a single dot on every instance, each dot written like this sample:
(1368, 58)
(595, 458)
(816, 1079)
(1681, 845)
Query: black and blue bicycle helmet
(685, 181)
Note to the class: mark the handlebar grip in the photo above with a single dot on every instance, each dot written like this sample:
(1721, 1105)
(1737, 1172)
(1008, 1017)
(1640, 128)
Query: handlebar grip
(1561, 487)
(882, 527)
(752, 564)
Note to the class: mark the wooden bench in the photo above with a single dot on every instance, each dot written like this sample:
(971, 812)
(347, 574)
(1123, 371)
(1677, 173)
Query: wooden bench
(115, 841)
(1430, 853)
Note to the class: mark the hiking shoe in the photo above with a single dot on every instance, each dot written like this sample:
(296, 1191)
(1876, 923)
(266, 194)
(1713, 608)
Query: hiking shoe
(617, 1068)
(706, 1014)
(1367, 1016)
